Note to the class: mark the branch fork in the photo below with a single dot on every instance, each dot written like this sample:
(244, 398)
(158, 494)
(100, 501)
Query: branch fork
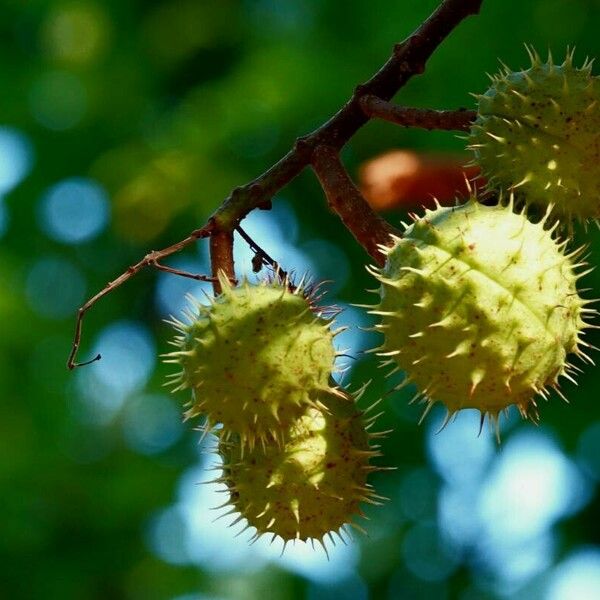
(320, 150)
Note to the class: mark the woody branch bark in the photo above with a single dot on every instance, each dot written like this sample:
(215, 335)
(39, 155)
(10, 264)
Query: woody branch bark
(451, 120)
(221, 257)
(343, 197)
(408, 58)
(152, 259)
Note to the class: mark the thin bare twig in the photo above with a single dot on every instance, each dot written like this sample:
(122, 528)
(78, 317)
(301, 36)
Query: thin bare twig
(451, 120)
(408, 59)
(180, 273)
(151, 259)
(369, 229)
(262, 256)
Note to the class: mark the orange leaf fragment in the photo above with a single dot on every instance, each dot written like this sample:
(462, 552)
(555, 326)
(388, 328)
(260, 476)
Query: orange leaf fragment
(408, 180)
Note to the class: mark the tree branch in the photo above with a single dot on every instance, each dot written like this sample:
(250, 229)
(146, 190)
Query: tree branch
(408, 59)
(458, 120)
(262, 257)
(221, 257)
(180, 273)
(151, 259)
(369, 229)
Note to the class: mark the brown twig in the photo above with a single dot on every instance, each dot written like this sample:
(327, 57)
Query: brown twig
(344, 198)
(151, 259)
(180, 273)
(221, 257)
(262, 256)
(451, 120)
(408, 59)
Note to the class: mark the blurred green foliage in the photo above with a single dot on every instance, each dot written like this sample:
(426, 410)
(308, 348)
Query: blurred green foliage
(167, 105)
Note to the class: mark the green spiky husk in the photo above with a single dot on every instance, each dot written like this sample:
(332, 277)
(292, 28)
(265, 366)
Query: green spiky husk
(312, 483)
(538, 133)
(255, 359)
(480, 308)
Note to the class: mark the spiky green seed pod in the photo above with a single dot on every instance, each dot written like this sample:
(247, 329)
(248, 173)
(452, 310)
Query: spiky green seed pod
(255, 359)
(479, 307)
(538, 133)
(312, 483)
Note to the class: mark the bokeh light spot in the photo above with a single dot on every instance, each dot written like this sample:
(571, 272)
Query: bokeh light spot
(426, 555)
(16, 158)
(418, 493)
(577, 577)
(151, 423)
(128, 357)
(455, 514)
(166, 536)
(74, 210)
(58, 100)
(458, 453)
(55, 288)
(514, 563)
(76, 33)
(532, 485)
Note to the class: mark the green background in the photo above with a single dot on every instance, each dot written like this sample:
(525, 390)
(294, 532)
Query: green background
(123, 124)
